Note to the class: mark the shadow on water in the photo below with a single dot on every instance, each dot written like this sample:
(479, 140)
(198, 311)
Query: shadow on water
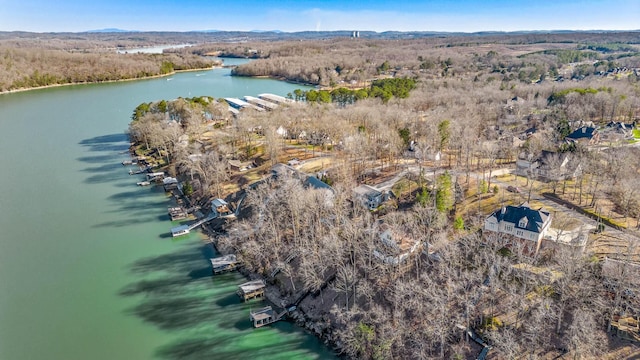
(122, 223)
(105, 168)
(230, 299)
(177, 293)
(112, 142)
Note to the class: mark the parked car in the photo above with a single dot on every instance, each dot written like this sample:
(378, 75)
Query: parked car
(513, 189)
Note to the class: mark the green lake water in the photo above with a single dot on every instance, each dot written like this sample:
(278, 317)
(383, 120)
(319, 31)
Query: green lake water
(88, 269)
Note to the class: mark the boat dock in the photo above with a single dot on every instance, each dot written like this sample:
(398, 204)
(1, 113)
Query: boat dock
(265, 316)
(180, 230)
(224, 264)
(241, 104)
(260, 103)
(141, 170)
(276, 99)
(178, 213)
(251, 290)
(185, 229)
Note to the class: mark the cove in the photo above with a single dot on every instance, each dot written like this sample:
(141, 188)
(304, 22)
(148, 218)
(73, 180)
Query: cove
(88, 269)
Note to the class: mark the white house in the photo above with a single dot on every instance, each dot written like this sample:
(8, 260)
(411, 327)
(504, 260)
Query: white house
(521, 222)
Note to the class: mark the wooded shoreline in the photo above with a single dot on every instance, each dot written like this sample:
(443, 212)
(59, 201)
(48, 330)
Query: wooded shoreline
(107, 81)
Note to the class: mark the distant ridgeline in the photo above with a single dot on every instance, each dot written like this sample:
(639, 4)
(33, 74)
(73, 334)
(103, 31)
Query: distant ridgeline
(384, 89)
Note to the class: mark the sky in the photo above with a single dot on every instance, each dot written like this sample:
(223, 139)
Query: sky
(319, 15)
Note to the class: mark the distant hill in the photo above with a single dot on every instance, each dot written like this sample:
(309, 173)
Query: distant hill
(110, 30)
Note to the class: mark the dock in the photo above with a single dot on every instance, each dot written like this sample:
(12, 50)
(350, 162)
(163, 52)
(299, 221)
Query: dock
(140, 170)
(224, 264)
(180, 230)
(251, 290)
(241, 104)
(276, 99)
(156, 176)
(177, 213)
(267, 105)
(265, 316)
(169, 183)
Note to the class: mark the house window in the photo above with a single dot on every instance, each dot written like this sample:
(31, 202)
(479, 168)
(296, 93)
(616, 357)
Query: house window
(523, 222)
(508, 228)
(519, 233)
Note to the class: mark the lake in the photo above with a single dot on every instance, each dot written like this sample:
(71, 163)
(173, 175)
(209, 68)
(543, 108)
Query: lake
(88, 269)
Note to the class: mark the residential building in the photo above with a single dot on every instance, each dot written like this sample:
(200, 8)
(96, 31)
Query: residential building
(220, 207)
(550, 166)
(520, 222)
(371, 197)
(394, 246)
(587, 134)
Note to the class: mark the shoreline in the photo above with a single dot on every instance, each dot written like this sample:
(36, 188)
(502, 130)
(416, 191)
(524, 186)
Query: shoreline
(272, 296)
(108, 81)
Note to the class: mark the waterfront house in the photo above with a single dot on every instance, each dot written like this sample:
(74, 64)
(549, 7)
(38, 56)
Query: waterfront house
(220, 207)
(521, 223)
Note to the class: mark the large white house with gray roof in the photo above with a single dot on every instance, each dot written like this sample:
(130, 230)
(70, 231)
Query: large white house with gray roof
(521, 222)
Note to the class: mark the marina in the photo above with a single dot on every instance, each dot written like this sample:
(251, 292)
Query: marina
(266, 105)
(240, 104)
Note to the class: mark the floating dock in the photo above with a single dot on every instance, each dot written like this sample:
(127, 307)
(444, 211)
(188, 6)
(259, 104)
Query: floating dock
(276, 99)
(180, 230)
(251, 290)
(156, 176)
(241, 104)
(260, 103)
(224, 264)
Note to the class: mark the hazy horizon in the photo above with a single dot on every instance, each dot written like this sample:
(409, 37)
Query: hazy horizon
(294, 16)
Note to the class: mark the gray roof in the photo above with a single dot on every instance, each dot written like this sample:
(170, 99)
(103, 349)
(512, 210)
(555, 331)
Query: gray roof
(307, 180)
(584, 132)
(536, 219)
(367, 191)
